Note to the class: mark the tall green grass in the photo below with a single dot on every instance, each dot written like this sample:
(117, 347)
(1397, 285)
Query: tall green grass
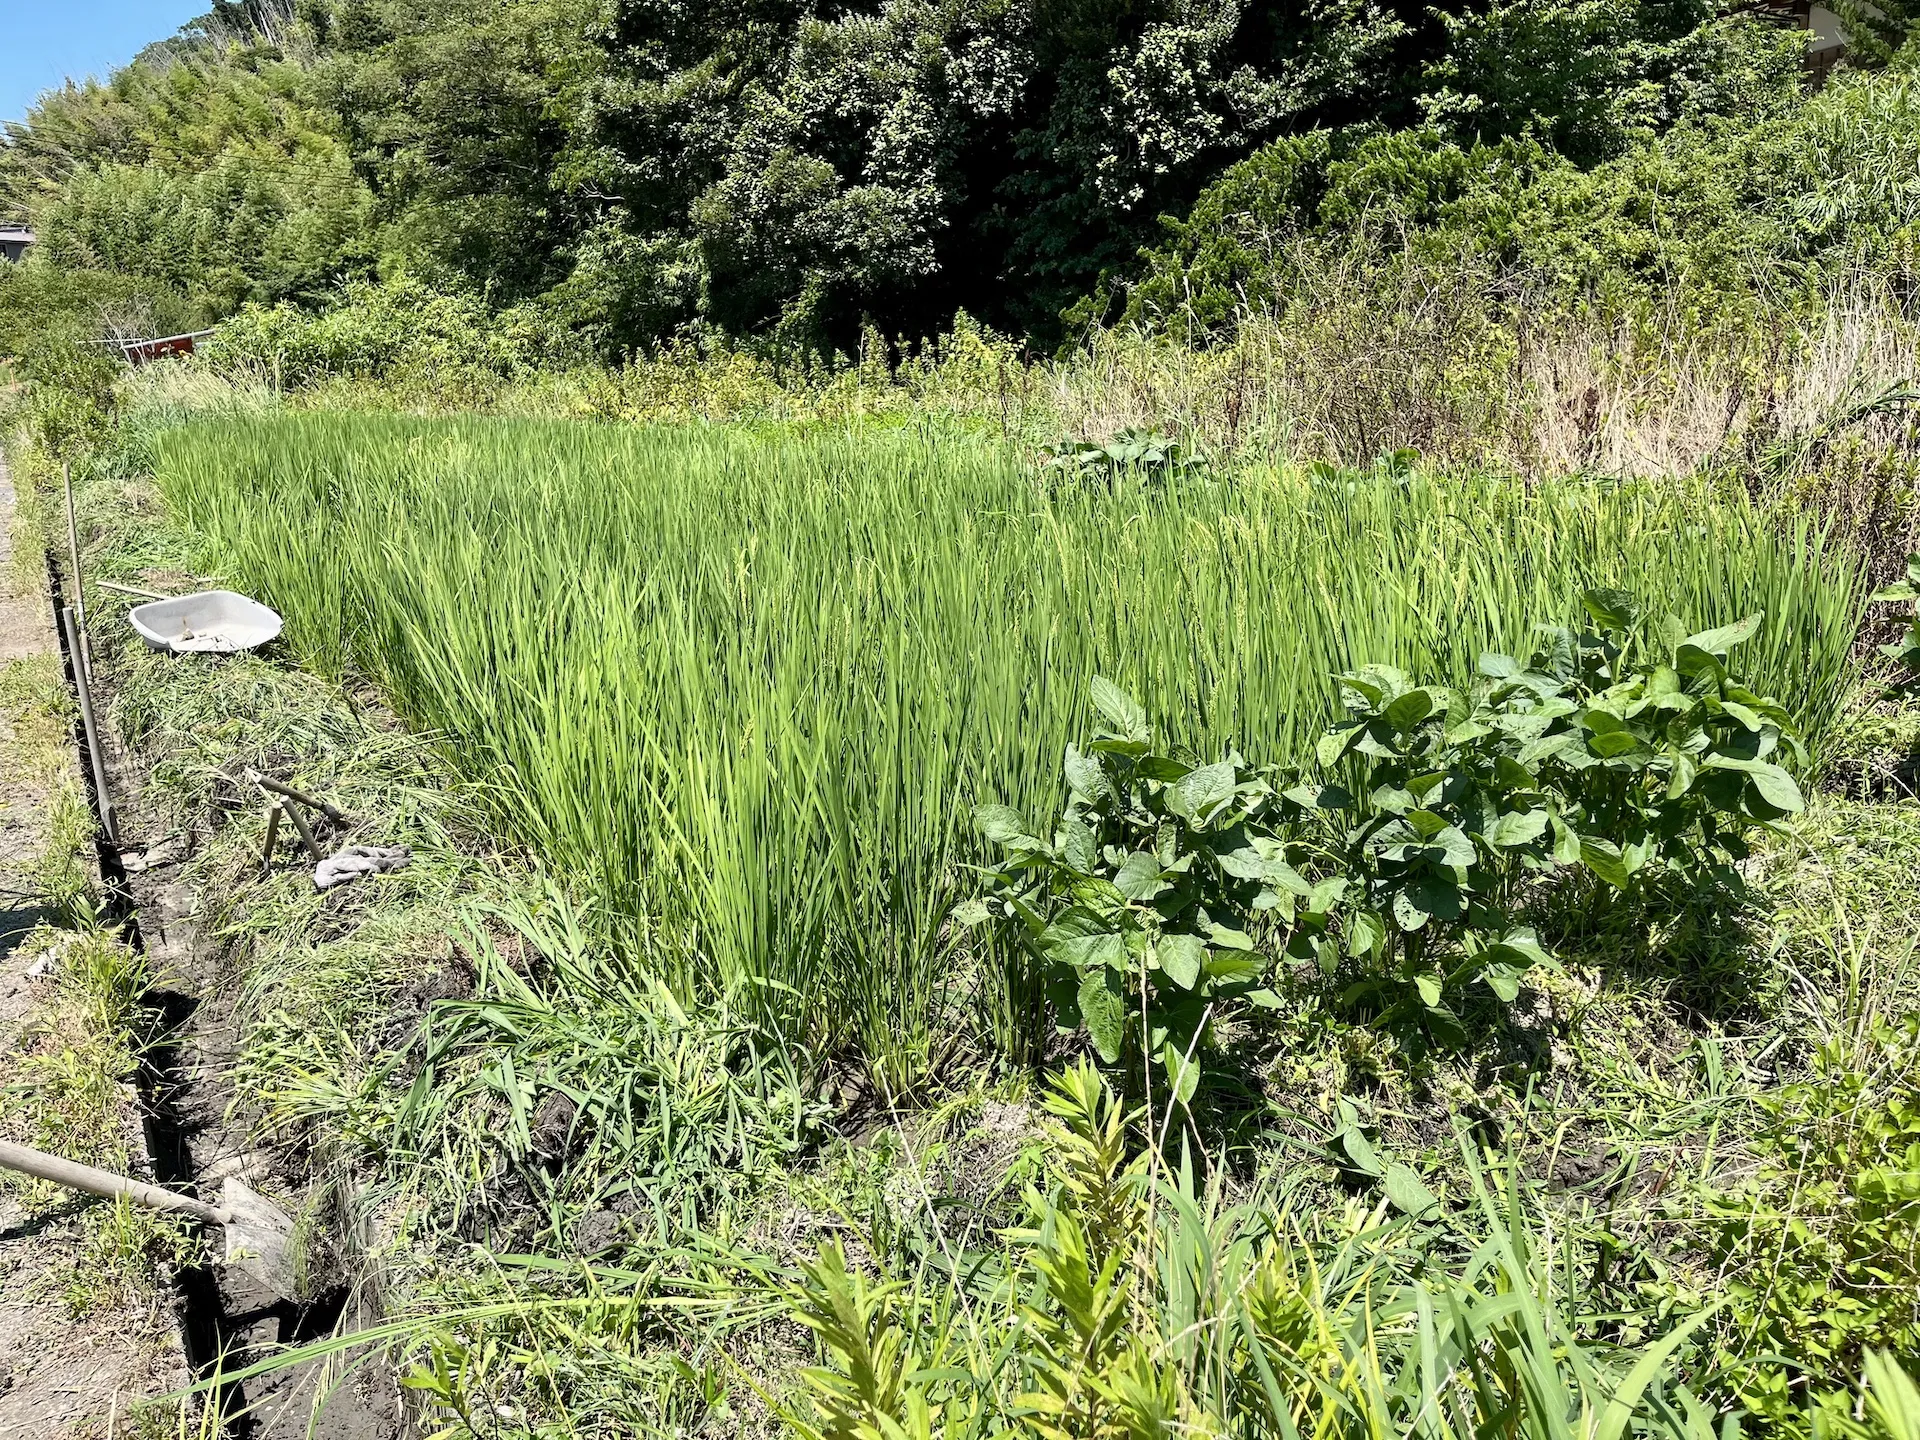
(743, 686)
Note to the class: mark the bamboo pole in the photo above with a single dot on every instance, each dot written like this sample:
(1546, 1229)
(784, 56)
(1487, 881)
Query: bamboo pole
(85, 651)
(131, 590)
(306, 832)
(94, 754)
(76, 1176)
(267, 782)
(273, 834)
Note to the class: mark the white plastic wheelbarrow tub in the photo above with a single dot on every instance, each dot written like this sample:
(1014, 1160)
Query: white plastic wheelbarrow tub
(216, 620)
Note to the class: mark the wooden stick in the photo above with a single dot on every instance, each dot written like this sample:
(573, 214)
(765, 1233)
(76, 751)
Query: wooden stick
(131, 590)
(107, 820)
(267, 782)
(273, 834)
(306, 833)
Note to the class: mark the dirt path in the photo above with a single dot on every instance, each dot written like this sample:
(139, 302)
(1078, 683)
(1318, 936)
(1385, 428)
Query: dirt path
(80, 1345)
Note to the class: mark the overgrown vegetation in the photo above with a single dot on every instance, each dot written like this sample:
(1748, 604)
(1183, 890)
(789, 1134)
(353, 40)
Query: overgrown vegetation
(731, 783)
(1398, 691)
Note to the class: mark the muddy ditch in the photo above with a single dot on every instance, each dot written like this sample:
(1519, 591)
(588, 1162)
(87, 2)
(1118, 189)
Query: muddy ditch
(196, 1137)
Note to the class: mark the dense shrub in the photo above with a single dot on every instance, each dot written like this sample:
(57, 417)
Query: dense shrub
(404, 328)
(1710, 209)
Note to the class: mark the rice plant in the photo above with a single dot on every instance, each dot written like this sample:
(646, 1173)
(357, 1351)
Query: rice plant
(743, 687)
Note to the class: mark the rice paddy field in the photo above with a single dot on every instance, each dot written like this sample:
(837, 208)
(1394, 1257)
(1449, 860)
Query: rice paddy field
(744, 688)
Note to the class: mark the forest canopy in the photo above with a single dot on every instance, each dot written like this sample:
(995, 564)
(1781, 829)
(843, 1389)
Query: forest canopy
(641, 170)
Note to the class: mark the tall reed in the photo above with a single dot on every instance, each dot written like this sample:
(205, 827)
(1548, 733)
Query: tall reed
(744, 685)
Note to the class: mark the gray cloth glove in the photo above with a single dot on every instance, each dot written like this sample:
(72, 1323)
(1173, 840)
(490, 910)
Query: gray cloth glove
(353, 861)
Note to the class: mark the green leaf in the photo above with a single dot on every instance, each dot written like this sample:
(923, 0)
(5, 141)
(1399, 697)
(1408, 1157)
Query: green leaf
(1455, 848)
(1406, 914)
(1103, 1010)
(1122, 711)
(1682, 778)
(1899, 590)
(1611, 609)
(1333, 746)
(1566, 844)
(1265, 999)
(1723, 639)
(1498, 667)
(1181, 958)
(1437, 895)
(1326, 895)
(971, 913)
(1360, 1152)
(1229, 967)
(1366, 934)
(1227, 938)
(1407, 1192)
(1691, 661)
(1107, 950)
(1408, 710)
(1503, 980)
(1429, 988)
(1085, 776)
(1603, 858)
(1201, 790)
(1001, 824)
(1526, 944)
(1368, 687)
(1183, 1074)
(1518, 827)
(1775, 786)
(1612, 744)
(1138, 877)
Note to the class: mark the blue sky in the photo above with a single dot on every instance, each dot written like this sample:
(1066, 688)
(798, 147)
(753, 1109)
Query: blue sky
(42, 42)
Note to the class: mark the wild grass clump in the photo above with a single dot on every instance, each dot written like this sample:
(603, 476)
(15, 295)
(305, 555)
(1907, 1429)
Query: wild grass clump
(748, 685)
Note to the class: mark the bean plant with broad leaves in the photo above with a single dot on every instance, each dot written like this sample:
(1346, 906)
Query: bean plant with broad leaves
(1170, 889)
(1906, 650)
(1589, 757)
(1155, 898)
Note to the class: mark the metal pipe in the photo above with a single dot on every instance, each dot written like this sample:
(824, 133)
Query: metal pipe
(76, 1176)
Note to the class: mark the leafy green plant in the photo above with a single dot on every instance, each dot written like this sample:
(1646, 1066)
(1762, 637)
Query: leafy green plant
(1587, 756)
(1140, 1302)
(1142, 454)
(1821, 1247)
(1169, 887)
(762, 787)
(1144, 896)
(1905, 650)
